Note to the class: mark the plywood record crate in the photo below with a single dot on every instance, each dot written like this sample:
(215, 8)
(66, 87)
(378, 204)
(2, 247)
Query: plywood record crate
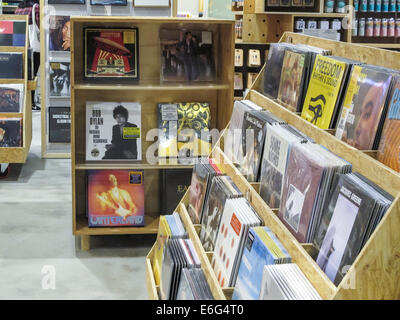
(375, 272)
(149, 91)
(20, 154)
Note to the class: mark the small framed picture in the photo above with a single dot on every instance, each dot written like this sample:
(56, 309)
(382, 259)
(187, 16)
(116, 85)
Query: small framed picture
(108, 2)
(297, 3)
(238, 81)
(285, 3)
(273, 3)
(308, 3)
(254, 59)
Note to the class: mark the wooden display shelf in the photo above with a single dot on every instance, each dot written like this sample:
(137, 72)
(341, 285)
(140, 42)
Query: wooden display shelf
(19, 154)
(149, 91)
(374, 274)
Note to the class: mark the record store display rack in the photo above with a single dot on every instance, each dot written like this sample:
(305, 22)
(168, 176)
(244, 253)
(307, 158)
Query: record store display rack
(55, 60)
(374, 273)
(149, 91)
(19, 154)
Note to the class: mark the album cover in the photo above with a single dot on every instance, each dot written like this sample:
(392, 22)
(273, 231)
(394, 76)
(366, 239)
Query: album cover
(113, 131)
(197, 192)
(12, 33)
(115, 198)
(291, 81)
(364, 107)
(164, 233)
(10, 132)
(238, 57)
(184, 290)
(59, 79)
(254, 58)
(323, 92)
(111, 54)
(300, 190)
(297, 3)
(187, 55)
(342, 230)
(285, 3)
(253, 132)
(59, 33)
(238, 81)
(272, 3)
(184, 129)
(308, 3)
(174, 184)
(11, 65)
(59, 125)
(66, 1)
(388, 151)
(11, 97)
(108, 2)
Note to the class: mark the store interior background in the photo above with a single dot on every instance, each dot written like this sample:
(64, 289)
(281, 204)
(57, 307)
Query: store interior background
(39, 256)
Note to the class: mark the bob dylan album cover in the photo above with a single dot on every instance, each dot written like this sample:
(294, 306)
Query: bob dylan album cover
(115, 198)
(111, 54)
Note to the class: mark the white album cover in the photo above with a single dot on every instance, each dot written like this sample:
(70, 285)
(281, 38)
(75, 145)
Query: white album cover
(113, 131)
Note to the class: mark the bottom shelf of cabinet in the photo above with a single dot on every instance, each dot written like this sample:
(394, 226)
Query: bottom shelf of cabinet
(151, 227)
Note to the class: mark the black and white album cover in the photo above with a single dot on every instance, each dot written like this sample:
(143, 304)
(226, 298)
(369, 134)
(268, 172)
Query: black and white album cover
(59, 125)
(113, 131)
(59, 79)
(10, 132)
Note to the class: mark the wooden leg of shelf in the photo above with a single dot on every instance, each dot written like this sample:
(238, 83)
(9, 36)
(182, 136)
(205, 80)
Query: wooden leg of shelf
(85, 243)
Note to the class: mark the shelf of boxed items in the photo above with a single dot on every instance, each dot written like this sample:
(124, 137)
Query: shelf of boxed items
(19, 154)
(59, 9)
(269, 26)
(374, 273)
(149, 91)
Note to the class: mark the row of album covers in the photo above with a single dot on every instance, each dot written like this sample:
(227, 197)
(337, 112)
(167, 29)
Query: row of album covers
(138, 3)
(360, 101)
(113, 54)
(12, 34)
(313, 190)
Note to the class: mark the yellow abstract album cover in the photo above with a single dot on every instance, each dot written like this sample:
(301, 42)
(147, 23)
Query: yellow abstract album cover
(164, 233)
(323, 91)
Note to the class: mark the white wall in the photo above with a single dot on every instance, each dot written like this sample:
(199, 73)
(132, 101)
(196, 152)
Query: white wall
(190, 6)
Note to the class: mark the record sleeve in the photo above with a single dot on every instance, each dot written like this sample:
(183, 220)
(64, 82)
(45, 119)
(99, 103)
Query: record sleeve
(10, 132)
(323, 94)
(66, 1)
(59, 79)
(59, 33)
(291, 80)
(175, 183)
(184, 129)
(389, 147)
(113, 131)
(115, 198)
(184, 290)
(164, 233)
(111, 54)
(168, 267)
(364, 107)
(12, 33)
(59, 125)
(300, 190)
(108, 2)
(11, 98)
(187, 55)
(197, 192)
(343, 228)
(11, 65)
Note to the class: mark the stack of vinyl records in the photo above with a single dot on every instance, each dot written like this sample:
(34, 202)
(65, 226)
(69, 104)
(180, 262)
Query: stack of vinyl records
(178, 255)
(286, 282)
(389, 146)
(262, 248)
(309, 175)
(355, 208)
(287, 73)
(170, 227)
(238, 217)
(278, 142)
(193, 285)
(203, 172)
(222, 188)
(365, 105)
(327, 84)
(248, 151)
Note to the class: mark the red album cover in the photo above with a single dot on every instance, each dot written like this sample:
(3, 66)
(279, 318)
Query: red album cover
(115, 198)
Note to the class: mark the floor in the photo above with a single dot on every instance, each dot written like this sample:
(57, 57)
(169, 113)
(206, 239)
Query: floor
(39, 256)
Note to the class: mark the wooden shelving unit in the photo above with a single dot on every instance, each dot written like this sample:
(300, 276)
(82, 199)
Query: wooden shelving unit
(149, 91)
(20, 154)
(374, 274)
(62, 150)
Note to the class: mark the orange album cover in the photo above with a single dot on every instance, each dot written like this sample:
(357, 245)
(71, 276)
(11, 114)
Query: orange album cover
(115, 198)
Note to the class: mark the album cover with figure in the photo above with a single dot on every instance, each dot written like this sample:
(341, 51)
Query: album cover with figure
(60, 84)
(113, 131)
(10, 132)
(11, 97)
(115, 198)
